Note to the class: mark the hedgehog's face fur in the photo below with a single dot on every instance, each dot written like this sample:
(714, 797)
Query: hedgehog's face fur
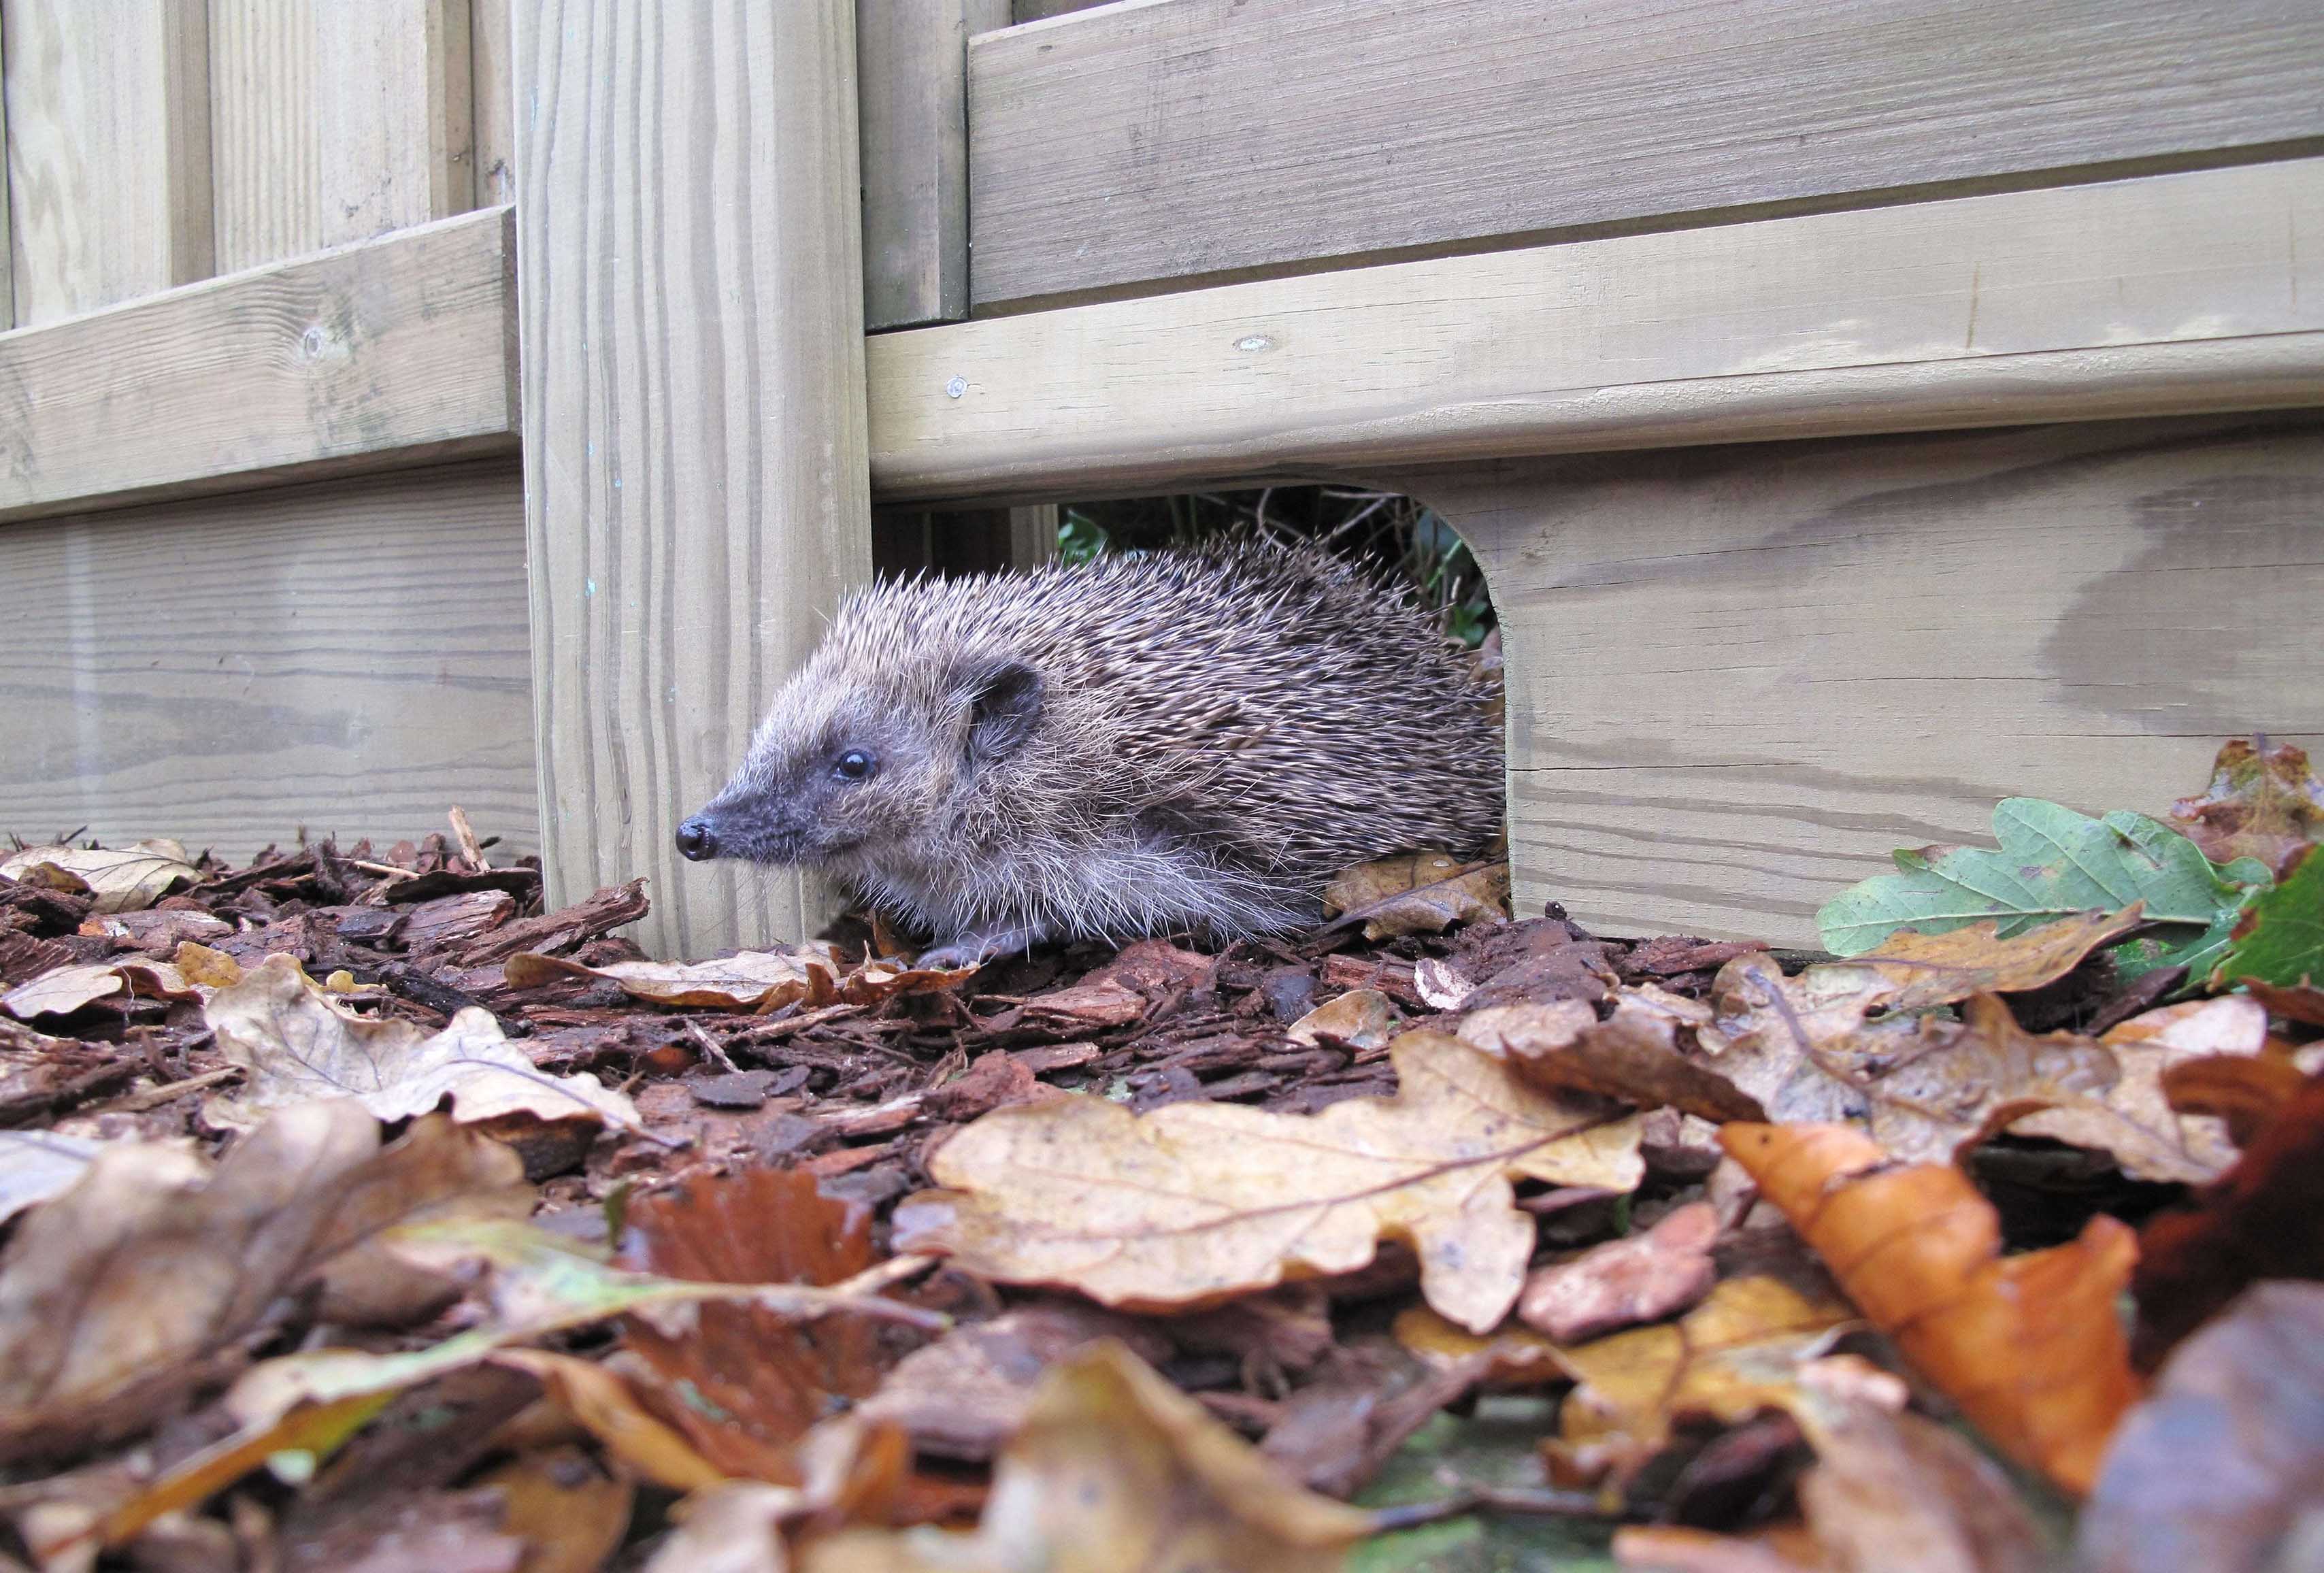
(852, 770)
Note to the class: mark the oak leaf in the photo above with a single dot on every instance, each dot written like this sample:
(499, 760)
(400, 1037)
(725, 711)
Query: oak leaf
(114, 1292)
(1116, 1471)
(2263, 803)
(1417, 892)
(35, 1165)
(2280, 937)
(808, 974)
(1200, 1201)
(1637, 1054)
(297, 1043)
(121, 881)
(2029, 1347)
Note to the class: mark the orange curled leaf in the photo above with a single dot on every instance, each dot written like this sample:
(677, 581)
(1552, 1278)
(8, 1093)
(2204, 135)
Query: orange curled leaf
(2029, 1347)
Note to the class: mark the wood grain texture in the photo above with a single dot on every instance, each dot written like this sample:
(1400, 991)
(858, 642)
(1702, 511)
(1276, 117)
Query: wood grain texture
(349, 658)
(2178, 294)
(391, 352)
(334, 123)
(492, 73)
(911, 57)
(1176, 140)
(8, 251)
(692, 332)
(1739, 677)
(107, 104)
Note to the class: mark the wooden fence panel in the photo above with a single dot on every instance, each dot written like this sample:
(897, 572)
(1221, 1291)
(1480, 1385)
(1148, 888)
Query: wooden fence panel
(390, 353)
(913, 60)
(1739, 677)
(493, 73)
(1138, 145)
(2181, 293)
(691, 294)
(108, 145)
(335, 122)
(348, 657)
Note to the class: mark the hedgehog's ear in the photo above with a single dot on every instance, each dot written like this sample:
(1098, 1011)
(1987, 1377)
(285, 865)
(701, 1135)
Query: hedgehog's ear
(1004, 706)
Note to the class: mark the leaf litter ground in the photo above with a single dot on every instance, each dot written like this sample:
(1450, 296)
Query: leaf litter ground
(366, 1215)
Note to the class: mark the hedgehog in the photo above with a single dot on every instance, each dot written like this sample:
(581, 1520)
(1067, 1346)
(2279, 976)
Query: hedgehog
(1186, 742)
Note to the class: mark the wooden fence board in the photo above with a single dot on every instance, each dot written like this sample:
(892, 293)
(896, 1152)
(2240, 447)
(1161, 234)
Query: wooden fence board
(693, 330)
(348, 657)
(1176, 140)
(2165, 295)
(107, 104)
(334, 123)
(912, 57)
(391, 352)
(1739, 677)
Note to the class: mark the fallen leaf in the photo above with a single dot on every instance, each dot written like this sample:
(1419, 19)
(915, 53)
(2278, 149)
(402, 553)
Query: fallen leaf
(2265, 1218)
(2149, 1132)
(569, 1515)
(112, 1293)
(35, 1165)
(2054, 864)
(1114, 1470)
(1359, 1018)
(1623, 1282)
(744, 1382)
(2223, 1467)
(1200, 1201)
(967, 1393)
(1418, 892)
(443, 1531)
(1633, 1055)
(119, 881)
(2302, 1002)
(2029, 1346)
(2262, 803)
(753, 980)
(602, 1403)
(1368, 1398)
(297, 1044)
(62, 992)
(1928, 969)
(2279, 939)
(1893, 1493)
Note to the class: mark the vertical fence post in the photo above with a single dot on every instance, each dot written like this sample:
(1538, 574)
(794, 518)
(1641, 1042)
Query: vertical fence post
(694, 461)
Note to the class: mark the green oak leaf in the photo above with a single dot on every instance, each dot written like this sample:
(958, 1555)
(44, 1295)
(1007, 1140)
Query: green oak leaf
(2281, 940)
(2052, 863)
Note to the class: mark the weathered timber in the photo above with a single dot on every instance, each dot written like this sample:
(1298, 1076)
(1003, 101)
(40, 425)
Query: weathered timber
(1140, 146)
(108, 105)
(394, 351)
(1740, 676)
(2183, 294)
(912, 59)
(693, 336)
(348, 657)
(336, 123)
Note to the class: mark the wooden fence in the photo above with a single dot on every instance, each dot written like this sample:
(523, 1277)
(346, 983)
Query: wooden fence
(1861, 411)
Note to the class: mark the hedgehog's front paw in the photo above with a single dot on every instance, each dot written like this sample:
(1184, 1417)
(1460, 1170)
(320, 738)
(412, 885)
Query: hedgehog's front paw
(975, 947)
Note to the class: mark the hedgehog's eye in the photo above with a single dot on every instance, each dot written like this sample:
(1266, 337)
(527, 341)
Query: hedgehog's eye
(855, 766)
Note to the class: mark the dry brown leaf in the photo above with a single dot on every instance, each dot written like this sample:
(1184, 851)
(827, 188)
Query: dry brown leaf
(1623, 1282)
(742, 1383)
(569, 1515)
(35, 1165)
(2138, 1122)
(965, 1395)
(114, 1292)
(61, 992)
(120, 881)
(1359, 1018)
(1636, 1055)
(296, 1043)
(1116, 1471)
(1922, 970)
(1418, 892)
(601, 1403)
(1893, 1492)
(808, 975)
(2302, 1002)
(2223, 1468)
(1200, 1201)
(2029, 1347)
(2262, 803)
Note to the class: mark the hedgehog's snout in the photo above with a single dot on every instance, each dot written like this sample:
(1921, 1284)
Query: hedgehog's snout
(698, 839)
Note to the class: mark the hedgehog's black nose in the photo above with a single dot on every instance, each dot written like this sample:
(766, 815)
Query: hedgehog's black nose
(696, 840)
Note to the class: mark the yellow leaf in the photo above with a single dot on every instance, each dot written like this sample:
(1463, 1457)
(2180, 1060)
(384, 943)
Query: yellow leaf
(120, 881)
(1419, 893)
(1197, 1202)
